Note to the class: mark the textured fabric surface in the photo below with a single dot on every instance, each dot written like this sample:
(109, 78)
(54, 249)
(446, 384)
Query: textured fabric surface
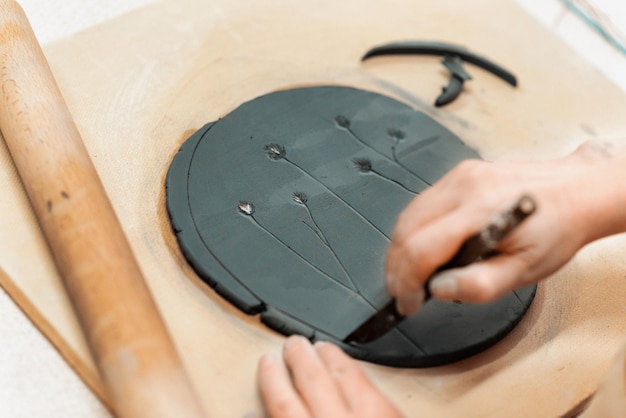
(54, 20)
(581, 37)
(35, 381)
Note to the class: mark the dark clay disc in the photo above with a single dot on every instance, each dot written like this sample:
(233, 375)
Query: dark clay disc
(285, 206)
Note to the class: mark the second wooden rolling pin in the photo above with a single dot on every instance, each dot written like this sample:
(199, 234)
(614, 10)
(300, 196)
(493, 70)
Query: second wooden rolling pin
(135, 356)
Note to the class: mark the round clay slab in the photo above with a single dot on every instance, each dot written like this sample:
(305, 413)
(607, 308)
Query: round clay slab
(285, 206)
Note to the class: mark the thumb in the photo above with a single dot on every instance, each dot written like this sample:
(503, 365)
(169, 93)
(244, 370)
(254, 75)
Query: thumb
(483, 281)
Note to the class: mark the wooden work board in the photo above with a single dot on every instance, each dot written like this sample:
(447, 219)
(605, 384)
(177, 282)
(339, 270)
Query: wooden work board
(138, 85)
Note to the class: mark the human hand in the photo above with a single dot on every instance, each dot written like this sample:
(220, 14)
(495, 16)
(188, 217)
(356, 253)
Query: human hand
(318, 381)
(579, 199)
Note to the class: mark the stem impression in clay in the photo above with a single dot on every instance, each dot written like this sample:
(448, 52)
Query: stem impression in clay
(248, 209)
(301, 199)
(344, 123)
(277, 152)
(365, 166)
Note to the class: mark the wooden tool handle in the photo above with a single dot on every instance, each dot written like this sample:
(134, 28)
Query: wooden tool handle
(127, 337)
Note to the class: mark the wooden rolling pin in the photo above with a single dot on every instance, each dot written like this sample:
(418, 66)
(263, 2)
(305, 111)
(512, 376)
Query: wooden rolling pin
(135, 356)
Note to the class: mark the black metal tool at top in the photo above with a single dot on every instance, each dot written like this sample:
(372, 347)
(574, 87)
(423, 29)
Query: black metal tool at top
(478, 247)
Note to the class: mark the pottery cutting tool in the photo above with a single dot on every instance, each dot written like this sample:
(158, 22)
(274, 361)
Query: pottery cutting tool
(478, 247)
(136, 358)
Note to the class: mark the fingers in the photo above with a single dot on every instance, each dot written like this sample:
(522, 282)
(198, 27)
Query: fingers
(482, 282)
(279, 396)
(428, 206)
(312, 380)
(435, 244)
(437, 201)
(434, 226)
(410, 263)
(361, 396)
(320, 381)
(355, 387)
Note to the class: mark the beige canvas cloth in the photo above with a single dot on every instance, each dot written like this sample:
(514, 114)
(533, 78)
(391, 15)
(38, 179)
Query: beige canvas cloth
(137, 86)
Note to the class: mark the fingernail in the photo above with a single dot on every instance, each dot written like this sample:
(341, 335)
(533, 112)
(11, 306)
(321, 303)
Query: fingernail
(269, 358)
(294, 341)
(410, 303)
(444, 286)
(321, 344)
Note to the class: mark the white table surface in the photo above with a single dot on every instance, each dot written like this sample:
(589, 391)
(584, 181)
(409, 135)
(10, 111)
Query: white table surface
(34, 379)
